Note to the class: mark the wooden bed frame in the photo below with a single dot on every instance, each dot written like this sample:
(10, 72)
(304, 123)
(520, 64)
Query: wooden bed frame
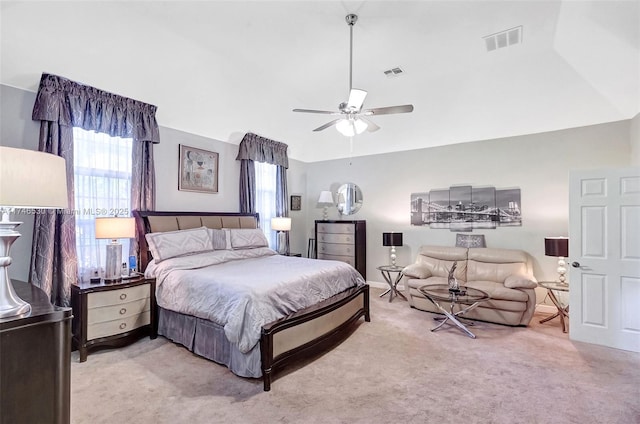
(300, 335)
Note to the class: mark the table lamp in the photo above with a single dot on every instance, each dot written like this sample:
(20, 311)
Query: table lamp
(28, 180)
(326, 200)
(282, 225)
(394, 240)
(114, 228)
(559, 247)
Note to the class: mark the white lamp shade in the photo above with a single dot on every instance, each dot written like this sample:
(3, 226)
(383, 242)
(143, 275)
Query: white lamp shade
(351, 127)
(115, 228)
(31, 179)
(325, 198)
(281, 224)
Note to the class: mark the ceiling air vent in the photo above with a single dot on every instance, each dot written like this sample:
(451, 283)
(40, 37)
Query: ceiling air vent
(394, 72)
(504, 38)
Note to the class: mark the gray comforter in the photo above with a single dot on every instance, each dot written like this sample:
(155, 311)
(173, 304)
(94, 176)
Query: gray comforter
(243, 290)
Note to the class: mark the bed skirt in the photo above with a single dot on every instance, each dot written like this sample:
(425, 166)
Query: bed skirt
(207, 339)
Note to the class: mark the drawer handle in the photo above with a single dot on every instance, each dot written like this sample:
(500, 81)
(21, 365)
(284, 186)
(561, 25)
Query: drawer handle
(123, 325)
(123, 296)
(123, 311)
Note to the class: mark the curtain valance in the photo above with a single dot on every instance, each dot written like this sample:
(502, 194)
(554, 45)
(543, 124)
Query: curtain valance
(261, 149)
(73, 104)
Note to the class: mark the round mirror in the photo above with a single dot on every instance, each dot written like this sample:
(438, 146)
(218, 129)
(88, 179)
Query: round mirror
(349, 199)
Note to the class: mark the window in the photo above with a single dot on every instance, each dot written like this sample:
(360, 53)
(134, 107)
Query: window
(102, 188)
(266, 198)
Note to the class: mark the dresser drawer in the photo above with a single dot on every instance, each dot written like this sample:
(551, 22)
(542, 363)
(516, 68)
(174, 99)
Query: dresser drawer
(110, 328)
(117, 297)
(337, 238)
(348, 259)
(336, 249)
(336, 228)
(114, 312)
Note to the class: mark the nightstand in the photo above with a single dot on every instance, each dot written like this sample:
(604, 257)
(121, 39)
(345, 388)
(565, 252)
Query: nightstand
(113, 314)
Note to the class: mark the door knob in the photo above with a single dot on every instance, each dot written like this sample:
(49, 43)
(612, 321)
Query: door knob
(575, 264)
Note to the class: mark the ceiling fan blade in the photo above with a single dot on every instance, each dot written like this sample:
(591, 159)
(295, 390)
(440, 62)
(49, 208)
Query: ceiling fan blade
(356, 99)
(371, 126)
(388, 110)
(325, 112)
(328, 124)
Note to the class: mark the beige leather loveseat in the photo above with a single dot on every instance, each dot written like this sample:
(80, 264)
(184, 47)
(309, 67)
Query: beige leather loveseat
(506, 275)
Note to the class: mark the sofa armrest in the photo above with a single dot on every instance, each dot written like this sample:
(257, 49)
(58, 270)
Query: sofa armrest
(519, 281)
(416, 270)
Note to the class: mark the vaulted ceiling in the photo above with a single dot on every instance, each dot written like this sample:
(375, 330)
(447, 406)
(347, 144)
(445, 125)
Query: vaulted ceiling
(221, 69)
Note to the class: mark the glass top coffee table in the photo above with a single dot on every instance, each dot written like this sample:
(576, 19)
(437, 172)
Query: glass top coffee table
(437, 293)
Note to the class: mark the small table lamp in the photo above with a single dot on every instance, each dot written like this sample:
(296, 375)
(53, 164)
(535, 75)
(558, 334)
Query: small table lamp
(326, 200)
(31, 180)
(559, 247)
(114, 228)
(281, 225)
(394, 240)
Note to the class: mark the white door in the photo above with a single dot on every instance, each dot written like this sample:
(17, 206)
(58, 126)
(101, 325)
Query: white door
(604, 253)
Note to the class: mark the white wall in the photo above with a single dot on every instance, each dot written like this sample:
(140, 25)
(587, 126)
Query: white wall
(538, 164)
(635, 140)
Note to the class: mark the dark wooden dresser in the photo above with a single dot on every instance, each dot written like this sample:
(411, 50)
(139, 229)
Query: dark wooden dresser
(35, 361)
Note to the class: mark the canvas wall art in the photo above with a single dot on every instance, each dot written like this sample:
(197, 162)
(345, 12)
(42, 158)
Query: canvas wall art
(465, 208)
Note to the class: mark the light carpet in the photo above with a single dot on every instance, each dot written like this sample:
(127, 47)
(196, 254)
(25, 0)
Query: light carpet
(390, 370)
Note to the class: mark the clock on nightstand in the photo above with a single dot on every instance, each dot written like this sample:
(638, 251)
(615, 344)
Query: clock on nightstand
(112, 314)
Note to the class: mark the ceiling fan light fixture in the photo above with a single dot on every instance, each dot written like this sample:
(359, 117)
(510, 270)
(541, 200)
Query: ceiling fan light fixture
(351, 127)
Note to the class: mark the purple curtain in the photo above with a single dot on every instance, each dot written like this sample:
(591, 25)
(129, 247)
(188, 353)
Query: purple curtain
(254, 148)
(60, 105)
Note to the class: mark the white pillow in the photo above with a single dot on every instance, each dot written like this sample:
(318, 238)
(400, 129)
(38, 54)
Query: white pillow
(247, 238)
(177, 243)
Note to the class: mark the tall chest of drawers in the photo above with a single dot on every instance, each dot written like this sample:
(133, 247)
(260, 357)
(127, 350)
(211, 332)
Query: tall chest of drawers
(112, 314)
(344, 241)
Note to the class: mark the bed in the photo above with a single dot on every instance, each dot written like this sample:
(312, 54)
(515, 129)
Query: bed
(299, 327)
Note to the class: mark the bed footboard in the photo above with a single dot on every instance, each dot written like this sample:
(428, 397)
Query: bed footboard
(311, 330)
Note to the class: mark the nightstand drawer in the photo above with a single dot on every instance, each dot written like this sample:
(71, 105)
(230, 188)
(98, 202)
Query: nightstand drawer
(110, 328)
(117, 297)
(336, 249)
(336, 228)
(348, 259)
(115, 312)
(337, 238)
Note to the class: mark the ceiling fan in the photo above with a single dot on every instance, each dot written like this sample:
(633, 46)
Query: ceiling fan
(352, 119)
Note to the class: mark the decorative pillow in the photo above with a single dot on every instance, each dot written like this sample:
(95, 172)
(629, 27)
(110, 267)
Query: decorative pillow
(219, 239)
(515, 281)
(177, 243)
(247, 238)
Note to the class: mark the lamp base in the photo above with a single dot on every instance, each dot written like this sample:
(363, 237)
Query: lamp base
(10, 304)
(392, 256)
(562, 279)
(113, 270)
(283, 246)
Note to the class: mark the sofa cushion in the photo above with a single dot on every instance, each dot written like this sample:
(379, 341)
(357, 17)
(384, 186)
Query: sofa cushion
(498, 290)
(439, 260)
(417, 283)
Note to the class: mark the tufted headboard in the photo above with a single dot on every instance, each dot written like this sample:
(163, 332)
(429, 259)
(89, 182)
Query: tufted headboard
(161, 221)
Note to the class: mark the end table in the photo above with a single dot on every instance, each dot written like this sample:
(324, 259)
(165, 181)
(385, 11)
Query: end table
(386, 271)
(563, 311)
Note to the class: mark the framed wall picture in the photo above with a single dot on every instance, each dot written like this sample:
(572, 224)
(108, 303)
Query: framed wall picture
(296, 202)
(198, 170)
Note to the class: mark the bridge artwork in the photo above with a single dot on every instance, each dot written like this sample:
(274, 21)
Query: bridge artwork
(463, 208)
